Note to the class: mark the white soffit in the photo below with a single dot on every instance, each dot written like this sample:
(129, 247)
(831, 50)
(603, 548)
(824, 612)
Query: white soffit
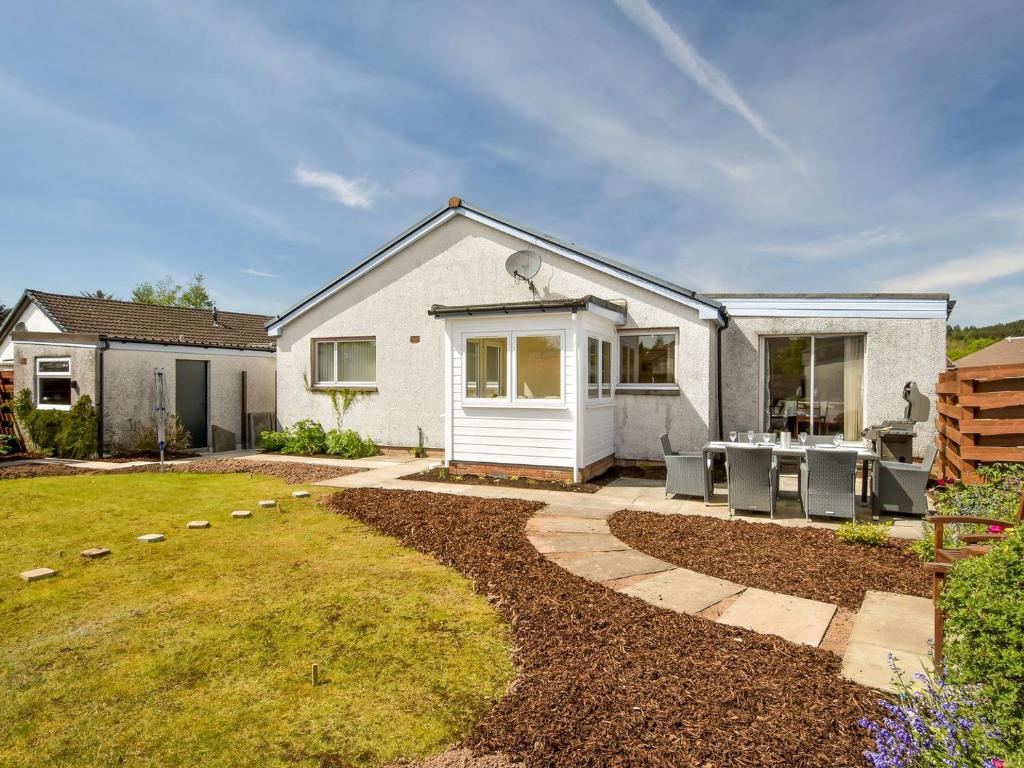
(925, 308)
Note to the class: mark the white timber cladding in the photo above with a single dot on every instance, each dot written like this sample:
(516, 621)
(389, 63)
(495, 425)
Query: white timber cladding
(508, 430)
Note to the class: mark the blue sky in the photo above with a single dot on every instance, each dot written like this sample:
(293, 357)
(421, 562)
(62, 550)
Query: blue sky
(724, 145)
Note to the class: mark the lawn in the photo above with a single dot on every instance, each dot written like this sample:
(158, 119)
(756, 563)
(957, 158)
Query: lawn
(197, 650)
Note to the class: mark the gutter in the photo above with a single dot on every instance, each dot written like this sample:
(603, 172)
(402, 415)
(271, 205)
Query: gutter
(103, 346)
(718, 364)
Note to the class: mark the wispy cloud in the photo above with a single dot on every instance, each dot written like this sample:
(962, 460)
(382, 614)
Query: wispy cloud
(706, 75)
(256, 273)
(354, 193)
(975, 269)
(836, 245)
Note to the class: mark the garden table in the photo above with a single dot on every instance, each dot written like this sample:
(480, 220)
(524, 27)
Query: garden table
(865, 455)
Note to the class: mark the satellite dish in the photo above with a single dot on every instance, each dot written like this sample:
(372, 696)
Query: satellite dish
(523, 265)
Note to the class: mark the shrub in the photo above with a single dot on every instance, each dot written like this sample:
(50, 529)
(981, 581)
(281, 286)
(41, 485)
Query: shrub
(348, 444)
(70, 434)
(77, 437)
(305, 438)
(935, 723)
(985, 631)
(869, 534)
(142, 438)
(8, 444)
(273, 441)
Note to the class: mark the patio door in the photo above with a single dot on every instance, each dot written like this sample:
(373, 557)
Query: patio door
(814, 384)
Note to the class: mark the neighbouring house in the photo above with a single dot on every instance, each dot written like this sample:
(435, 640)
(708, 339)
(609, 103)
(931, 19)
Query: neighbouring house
(506, 349)
(218, 367)
(1008, 351)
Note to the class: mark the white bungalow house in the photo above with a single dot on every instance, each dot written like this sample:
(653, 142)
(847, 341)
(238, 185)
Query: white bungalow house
(559, 361)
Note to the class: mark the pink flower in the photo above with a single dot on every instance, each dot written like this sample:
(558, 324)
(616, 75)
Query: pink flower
(997, 763)
(996, 528)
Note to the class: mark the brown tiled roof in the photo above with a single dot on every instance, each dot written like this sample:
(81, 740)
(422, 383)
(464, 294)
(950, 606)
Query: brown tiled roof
(130, 321)
(1005, 352)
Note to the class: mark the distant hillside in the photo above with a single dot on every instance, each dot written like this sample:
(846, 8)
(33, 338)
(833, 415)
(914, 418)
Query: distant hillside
(961, 341)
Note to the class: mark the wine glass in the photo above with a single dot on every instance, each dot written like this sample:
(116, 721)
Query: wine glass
(767, 438)
(837, 439)
(750, 436)
(803, 438)
(732, 436)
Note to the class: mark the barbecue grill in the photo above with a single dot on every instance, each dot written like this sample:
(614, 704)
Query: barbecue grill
(893, 439)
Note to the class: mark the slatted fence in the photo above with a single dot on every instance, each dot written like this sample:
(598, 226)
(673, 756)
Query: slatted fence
(980, 419)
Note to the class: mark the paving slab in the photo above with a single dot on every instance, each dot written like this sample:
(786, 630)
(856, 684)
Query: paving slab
(151, 538)
(792, 618)
(553, 524)
(576, 542)
(267, 503)
(887, 623)
(607, 566)
(588, 513)
(198, 524)
(96, 552)
(37, 574)
(241, 513)
(682, 590)
(300, 494)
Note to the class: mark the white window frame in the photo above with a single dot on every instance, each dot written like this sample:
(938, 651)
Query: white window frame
(512, 370)
(674, 332)
(336, 383)
(602, 396)
(53, 375)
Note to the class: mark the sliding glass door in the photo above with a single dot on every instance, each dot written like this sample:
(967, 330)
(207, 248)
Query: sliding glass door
(814, 384)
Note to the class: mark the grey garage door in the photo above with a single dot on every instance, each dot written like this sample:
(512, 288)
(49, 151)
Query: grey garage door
(190, 392)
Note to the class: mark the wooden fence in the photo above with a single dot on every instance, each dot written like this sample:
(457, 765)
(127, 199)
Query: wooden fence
(6, 395)
(980, 419)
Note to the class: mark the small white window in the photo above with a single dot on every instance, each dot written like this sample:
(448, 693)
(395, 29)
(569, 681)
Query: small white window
(345, 362)
(599, 369)
(647, 359)
(486, 367)
(53, 383)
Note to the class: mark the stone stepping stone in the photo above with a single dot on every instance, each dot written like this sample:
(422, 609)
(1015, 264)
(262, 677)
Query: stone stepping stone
(151, 538)
(549, 543)
(198, 524)
(36, 574)
(267, 503)
(299, 494)
(240, 513)
(792, 618)
(609, 566)
(551, 524)
(96, 552)
(682, 590)
(888, 623)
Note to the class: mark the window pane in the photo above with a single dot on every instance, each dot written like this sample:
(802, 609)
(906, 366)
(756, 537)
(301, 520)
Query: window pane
(787, 386)
(539, 367)
(485, 367)
(838, 365)
(606, 369)
(357, 361)
(648, 359)
(54, 391)
(54, 366)
(325, 361)
(593, 350)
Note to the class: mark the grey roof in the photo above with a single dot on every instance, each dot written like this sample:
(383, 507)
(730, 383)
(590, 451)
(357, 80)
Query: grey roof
(1009, 351)
(726, 295)
(624, 270)
(522, 307)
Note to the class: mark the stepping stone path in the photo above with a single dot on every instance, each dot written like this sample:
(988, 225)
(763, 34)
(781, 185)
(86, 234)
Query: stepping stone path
(151, 538)
(36, 574)
(198, 524)
(300, 494)
(888, 623)
(96, 552)
(795, 619)
(240, 513)
(267, 503)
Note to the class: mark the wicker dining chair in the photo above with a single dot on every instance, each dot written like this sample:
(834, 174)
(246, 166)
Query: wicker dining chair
(686, 473)
(753, 478)
(899, 487)
(827, 483)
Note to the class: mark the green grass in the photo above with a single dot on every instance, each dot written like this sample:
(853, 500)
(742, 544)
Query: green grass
(197, 650)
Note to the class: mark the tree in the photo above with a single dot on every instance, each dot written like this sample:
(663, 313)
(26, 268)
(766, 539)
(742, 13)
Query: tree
(165, 292)
(99, 295)
(4, 311)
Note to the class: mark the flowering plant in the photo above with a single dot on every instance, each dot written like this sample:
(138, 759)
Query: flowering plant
(932, 725)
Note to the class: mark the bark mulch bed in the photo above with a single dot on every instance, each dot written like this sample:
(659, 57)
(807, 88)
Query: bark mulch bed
(291, 472)
(441, 475)
(806, 562)
(606, 679)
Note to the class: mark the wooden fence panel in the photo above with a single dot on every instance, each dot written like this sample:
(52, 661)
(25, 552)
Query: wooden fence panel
(6, 395)
(979, 419)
